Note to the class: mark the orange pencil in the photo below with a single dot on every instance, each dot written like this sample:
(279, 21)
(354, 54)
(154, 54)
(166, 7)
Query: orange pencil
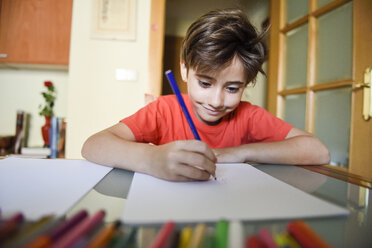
(305, 236)
(101, 239)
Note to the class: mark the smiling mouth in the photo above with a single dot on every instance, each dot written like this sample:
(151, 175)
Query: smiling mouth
(213, 112)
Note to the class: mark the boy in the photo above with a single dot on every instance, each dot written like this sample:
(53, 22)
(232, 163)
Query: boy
(221, 54)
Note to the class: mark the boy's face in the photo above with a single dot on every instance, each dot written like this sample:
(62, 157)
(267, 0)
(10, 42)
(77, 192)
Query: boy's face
(215, 94)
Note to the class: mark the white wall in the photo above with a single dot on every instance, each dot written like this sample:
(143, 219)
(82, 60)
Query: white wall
(20, 89)
(95, 99)
(88, 94)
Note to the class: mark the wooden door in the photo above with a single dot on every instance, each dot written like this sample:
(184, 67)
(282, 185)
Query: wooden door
(35, 31)
(319, 51)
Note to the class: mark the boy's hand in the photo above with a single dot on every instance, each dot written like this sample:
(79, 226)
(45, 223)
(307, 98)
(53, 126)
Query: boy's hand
(183, 160)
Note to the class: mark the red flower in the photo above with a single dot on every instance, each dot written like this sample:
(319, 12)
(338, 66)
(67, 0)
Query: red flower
(48, 83)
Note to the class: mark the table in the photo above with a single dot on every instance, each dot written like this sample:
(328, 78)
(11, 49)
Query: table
(352, 231)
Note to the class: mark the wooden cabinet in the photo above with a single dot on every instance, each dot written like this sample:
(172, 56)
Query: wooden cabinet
(35, 31)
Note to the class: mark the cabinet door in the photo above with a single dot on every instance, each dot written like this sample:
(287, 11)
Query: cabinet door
(35, 31)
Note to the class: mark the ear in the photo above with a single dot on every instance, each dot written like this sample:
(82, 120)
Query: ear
(183, 71)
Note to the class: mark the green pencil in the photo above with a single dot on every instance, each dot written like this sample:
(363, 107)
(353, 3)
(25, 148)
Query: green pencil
(128, 239)
(222, 229)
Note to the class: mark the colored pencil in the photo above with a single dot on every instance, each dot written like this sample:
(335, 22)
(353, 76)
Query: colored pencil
(10, 226)
(81, 230)
(127, 239)
(209, 240)
(48, 238)
(266, 237)
(290, 241)
(177, 92)
(285, 240)
(102, 238)
(28, 232)
(222, 230)
(197, 236)
(175, 239)
(280, 241)
(185, 237)
(145, 236)
(164, 235)
(305, 236)
(236, 234)
(254, 241)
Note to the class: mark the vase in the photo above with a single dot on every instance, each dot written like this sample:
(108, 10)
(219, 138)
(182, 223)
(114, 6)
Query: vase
(45, 130)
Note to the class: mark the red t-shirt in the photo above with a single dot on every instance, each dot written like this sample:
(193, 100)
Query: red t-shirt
(163, 121)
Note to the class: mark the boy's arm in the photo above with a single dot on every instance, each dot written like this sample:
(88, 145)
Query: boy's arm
(175, 161)
(299, 147)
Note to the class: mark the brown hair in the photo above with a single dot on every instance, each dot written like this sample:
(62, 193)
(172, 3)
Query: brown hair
(214, 39)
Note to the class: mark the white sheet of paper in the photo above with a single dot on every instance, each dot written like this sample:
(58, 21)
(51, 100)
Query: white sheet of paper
(37, 187)
(241, 192)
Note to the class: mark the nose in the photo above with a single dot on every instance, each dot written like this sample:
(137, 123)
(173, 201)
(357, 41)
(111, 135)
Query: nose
(216, 99)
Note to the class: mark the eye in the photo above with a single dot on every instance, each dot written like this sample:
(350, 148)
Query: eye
(204, 84)
(232, 89)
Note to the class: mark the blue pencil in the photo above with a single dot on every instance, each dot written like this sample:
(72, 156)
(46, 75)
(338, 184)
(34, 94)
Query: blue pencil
(176, 91)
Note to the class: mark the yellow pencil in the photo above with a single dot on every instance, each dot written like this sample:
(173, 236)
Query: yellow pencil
(145, 236)
(290, 241)
(197, 236)
(185, 237)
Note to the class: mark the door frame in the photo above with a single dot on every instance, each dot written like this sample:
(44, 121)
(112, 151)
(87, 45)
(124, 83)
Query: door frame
(156, 47)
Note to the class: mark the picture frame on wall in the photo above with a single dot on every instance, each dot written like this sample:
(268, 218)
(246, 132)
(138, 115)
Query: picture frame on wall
(114, 20)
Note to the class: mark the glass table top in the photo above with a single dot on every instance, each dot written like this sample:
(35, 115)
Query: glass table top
(351, 231)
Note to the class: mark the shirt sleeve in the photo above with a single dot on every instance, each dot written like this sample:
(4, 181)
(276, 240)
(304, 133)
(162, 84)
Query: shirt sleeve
(143, 123)
(265, 127)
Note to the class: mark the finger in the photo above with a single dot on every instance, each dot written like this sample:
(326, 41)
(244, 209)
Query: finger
(195, 160)
(179, 178)
(193, 173)
(196, 146)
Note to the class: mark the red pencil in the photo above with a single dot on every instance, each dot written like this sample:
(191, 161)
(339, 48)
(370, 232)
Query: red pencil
(164, 235)
(266, 238)
(254, 242)
(80, 231)
(305, 236)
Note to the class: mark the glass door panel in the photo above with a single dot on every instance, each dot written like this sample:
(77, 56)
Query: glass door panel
(335, 50)
(296, 9)
(335, 45)
(321, 3)
(295, 110)
(296, 57)
(332, 123)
